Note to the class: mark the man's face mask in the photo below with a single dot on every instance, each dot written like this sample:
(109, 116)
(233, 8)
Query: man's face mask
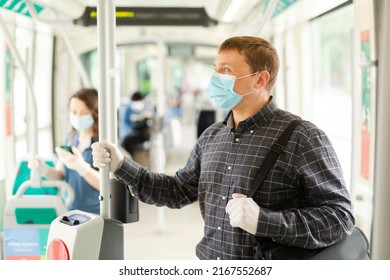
(221, 90)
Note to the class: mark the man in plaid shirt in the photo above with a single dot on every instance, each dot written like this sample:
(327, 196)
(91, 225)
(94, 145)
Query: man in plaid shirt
(302, 202)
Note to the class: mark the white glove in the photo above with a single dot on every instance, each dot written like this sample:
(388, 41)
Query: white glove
(106, 152)
(243, 212)
(36, 162)
(73, 161)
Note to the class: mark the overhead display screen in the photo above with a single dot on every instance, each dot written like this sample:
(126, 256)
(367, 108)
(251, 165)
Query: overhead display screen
(149, 16)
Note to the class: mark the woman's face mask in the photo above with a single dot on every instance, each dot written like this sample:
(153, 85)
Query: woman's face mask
(83, 122)
(221, 90)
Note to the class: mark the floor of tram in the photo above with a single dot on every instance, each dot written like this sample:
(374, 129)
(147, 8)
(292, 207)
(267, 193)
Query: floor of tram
(163, 233)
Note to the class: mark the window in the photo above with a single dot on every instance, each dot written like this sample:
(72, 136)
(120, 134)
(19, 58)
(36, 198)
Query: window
(331, 78)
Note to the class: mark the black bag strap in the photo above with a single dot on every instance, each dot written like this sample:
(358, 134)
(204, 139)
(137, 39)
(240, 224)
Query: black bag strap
(273, 155)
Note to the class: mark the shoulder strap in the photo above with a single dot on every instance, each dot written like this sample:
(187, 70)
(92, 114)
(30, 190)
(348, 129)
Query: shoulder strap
(272, 156)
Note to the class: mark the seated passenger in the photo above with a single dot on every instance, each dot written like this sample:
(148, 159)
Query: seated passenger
(136, 120)
(75, 166)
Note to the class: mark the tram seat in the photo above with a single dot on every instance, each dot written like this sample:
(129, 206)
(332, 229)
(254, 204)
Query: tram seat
(28, 215)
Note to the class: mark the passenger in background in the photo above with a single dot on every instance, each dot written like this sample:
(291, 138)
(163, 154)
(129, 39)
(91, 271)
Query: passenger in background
(136, 121)
(75, 165)
(302, 202)
(123, 127)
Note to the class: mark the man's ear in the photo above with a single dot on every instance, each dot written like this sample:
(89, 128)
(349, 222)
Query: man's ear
(263, 79)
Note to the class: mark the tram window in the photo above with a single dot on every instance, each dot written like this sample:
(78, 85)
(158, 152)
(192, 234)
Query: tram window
(144, 72)
(90, 61)
(23, 41)
(42, 77)
(182, 50)
(2, 128)
(40, 48)
(331, 89)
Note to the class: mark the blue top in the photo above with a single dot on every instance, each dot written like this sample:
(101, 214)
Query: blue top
(86, 196)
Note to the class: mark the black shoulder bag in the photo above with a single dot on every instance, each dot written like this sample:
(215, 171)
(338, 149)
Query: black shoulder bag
(354, 247)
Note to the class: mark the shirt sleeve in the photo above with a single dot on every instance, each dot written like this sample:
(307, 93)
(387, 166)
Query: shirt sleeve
(160, 189)
(326, 216)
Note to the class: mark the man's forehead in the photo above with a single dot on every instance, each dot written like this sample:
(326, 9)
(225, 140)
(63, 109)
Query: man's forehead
(229, 57)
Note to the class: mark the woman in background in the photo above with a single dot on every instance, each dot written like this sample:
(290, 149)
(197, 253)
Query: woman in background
(75, 163)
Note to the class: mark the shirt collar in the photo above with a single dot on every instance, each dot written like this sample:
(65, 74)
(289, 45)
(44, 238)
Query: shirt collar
(263, 115)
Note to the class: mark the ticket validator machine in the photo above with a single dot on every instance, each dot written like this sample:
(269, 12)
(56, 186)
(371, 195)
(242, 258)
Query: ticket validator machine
(79, 235)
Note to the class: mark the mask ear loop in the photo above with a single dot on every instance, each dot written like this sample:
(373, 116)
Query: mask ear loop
(245, 94)
(248, 92)
(254, 73)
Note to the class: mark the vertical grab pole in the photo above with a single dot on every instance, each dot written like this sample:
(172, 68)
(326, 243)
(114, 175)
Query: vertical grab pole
(103, 135)
(112, 71)
(380, 243)
(159, 150)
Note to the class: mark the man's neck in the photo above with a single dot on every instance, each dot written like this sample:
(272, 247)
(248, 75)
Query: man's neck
(249, 107)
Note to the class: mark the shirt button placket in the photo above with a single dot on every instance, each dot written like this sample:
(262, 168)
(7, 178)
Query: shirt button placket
(229, 169)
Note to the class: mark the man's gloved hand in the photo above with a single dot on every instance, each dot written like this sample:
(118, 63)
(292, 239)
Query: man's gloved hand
(106, 152)
(73, 161)
(243, 212)
(36, 162)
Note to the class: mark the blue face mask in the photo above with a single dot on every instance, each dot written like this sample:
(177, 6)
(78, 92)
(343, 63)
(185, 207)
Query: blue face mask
(222, 93)
(82, 122)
